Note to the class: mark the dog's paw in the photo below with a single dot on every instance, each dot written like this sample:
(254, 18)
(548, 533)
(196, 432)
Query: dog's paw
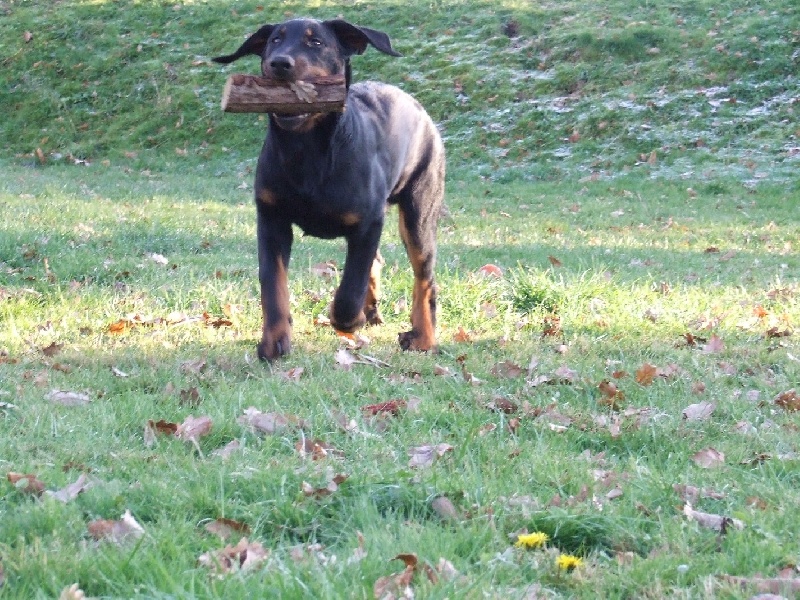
(373, 316)
(412, 340)
(348, 326)
(269, 350)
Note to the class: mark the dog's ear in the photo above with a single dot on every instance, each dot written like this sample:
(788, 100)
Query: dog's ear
(355, 39)
(255, 44)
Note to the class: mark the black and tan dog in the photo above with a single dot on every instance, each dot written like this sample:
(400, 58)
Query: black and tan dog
(335, 174)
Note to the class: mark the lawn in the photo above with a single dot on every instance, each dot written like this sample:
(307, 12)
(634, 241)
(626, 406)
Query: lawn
(618, 366)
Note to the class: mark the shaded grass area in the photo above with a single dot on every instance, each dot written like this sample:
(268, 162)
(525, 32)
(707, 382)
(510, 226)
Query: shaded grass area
(638, 266)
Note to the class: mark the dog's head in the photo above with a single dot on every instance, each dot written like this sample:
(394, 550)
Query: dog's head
(305, 48)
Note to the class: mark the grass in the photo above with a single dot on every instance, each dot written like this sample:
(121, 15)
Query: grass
(612, 258)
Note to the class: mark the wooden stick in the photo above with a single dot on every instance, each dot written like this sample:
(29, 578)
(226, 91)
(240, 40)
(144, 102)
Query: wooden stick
(253, 94)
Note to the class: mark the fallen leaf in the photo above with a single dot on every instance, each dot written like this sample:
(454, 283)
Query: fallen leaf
(507, 369)
(392, 407)
(117, 532)
(691, 494)
(554, 261)
(646, 374)
(503, 405)
(345, 359)
(461, 336)
(708, 458)
(292, 374)
(66, 398)
(193, 367)
(227, 450)
(118, 373)
(788, 400)
(71, 492)
(443, 507)
(193, 428)
(319, 492)
(269, 423)
(612, 397)
(395, 587)
(701, 411)
(425, 456)
(226, 528)
(711, 521)
(244, 556)
(490, 271)
(162, 426)
(316, 449)
(714, 345)
(52, 349)
(326, 270)
(189, 397)
(27, 483)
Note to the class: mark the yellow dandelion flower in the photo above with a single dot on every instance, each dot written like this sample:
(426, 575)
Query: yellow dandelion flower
(536, 539)
(567, 562)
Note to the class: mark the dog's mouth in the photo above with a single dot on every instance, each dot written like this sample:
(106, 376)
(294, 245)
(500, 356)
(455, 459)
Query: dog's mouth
(292, 122)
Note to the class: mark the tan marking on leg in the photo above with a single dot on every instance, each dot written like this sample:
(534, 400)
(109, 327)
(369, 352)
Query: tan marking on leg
(371, 309)
(277, 329)
(267, 197)
(350, 218)
(422, 336)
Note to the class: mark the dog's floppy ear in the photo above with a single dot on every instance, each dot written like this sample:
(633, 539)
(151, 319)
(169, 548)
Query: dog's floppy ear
(355, 39)
(255, 44)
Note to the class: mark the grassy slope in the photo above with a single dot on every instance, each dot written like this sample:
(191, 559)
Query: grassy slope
(636, 275)
(705, 85)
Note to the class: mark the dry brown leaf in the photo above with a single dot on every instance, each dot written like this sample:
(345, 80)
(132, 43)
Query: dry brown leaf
(788, 400)
(326, 270)
(461, 336)
(701, 411)
(691, 494)
(71, 492)
(193, 428)
(52, 349)
(292, 374)
(711, 521)
(116, 532)
(391, 407)
(269, 423)
(227, 450)
(27, 483)
(708, 458)
(189, 397)
(646, 374)
(226, 528)
(320, 492)
(395, 587)
(425, 456)
(345, 359)
(612, 397)
(193, 367)
(443, 507)
(490, 270)
(66, 398)
(162, 426)
(316, 449)
(554, 261)
(503, 405)
(244, 556)
(714, 345)
(507, 369)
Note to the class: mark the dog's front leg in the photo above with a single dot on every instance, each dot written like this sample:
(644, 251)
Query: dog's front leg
(347, 311)
(274, 249)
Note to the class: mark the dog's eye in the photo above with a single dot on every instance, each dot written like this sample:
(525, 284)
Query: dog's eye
(315, 42)
(275, 41)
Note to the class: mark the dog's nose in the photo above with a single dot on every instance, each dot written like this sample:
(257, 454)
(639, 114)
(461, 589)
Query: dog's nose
(282, 66)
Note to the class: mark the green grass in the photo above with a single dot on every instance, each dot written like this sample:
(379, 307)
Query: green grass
(618, 256)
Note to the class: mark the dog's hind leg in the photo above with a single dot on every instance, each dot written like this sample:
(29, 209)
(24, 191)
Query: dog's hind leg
(371, 310)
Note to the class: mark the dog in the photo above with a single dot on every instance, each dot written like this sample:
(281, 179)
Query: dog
(335, 175)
